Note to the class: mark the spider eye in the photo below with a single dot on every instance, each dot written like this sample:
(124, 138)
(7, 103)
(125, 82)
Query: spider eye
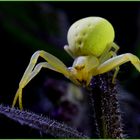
(78, 68)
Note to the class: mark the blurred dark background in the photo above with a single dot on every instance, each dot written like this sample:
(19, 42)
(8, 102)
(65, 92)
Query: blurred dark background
(29, 26)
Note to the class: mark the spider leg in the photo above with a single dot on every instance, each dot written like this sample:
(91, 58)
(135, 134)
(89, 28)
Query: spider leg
(36, 70)
(117, 61)
(66, 48)
(53, 64)
(108, 56)
(105, 55)
(115, 47)
(109, 52)
(116, 69)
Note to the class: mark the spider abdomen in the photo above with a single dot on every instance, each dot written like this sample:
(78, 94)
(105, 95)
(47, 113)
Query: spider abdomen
(90, 36)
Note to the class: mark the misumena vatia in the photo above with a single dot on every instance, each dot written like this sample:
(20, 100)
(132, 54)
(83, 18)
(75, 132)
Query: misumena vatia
(91, 44)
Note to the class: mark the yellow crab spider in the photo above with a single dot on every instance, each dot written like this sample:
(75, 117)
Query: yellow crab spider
(91, 44)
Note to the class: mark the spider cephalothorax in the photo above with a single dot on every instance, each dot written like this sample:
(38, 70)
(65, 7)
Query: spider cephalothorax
(91, 44)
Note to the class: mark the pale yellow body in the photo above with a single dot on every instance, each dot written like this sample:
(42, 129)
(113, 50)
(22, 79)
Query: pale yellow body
(87, 63)
(89, 36)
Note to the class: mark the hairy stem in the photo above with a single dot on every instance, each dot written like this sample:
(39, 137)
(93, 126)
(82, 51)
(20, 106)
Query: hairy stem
(107, 111)
(41, 123)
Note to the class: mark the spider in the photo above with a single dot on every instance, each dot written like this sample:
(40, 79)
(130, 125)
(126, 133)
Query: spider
(91, 45)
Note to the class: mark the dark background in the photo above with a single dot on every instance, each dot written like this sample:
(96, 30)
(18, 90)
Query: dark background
(16, 51)
(29, 26)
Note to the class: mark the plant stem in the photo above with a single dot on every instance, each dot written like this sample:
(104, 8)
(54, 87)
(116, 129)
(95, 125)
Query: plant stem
(107, 110)
(43, 124)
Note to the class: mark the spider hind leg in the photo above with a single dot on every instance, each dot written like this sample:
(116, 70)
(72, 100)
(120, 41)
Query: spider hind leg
(108, 53)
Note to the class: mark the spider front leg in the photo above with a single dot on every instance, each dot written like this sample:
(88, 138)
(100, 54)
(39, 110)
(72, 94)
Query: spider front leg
(28, 79)
(117, 61)
(53, 64)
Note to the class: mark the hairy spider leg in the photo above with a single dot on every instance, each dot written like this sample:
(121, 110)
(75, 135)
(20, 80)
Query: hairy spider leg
(53, 64)
(117, 61)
